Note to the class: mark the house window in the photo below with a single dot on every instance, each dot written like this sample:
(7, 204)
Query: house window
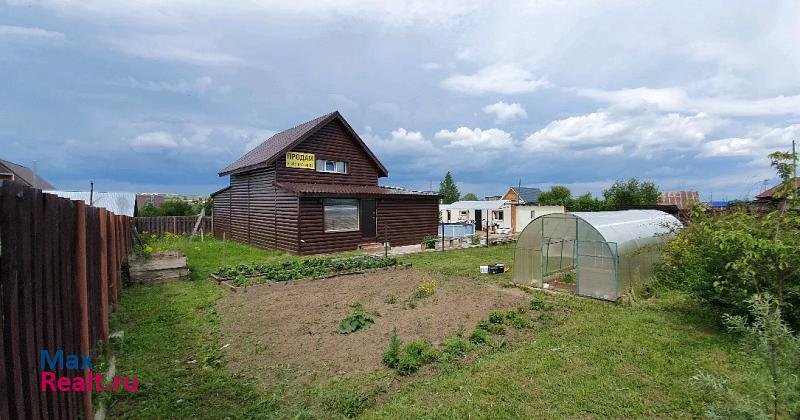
(9, 177)
(449, 217)
(340, 215)
(333, 166)
(463, 214)
(533, 214)
(497, 214)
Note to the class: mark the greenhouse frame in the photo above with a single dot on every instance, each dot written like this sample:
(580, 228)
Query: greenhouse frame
(596, 254)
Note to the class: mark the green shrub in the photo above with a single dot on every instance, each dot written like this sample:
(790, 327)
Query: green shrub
(456, 347)
(536, 304)
(392, 355)
(478, 336)
(356, 320)
(497, 317)
(408, 364)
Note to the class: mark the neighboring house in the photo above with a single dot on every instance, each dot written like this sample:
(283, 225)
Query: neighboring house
(767, 198)
(14, 172)
(494, 213)
(154, 199)
(681, 199)
(119, 203)
(523, 195)
(314, 189)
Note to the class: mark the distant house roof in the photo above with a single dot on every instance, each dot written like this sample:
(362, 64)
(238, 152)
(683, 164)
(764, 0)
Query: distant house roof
(119, 203)
(682, 199)
(349, 190)
(277, 145)
(25, 175)
(527, 195)
(767, 195)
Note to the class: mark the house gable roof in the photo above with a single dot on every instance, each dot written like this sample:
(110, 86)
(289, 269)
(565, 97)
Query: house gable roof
(277, 145)
(527, 195)
(26, 175)
(767, 195)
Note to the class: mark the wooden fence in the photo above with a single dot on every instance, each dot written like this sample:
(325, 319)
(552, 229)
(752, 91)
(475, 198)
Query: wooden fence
(173, 224)
(59, 275)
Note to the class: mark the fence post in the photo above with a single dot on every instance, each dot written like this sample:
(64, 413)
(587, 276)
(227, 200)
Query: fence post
(174, 224)
(82, 297)
(104, 273)
(112, 220)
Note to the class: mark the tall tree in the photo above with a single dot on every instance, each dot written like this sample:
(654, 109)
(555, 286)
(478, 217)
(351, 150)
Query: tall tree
(631, 192)
(587, 203)
(448, 189)
(470, 197)
(557, 196)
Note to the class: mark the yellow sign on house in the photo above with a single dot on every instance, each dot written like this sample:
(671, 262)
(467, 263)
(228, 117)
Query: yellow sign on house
(300, 160)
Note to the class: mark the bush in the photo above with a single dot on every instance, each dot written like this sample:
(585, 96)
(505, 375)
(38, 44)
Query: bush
(536, 304)
(497, 317)
(408, 364)
(456, 347)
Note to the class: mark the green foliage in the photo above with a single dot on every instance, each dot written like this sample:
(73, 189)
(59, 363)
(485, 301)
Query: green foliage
(587, 203)
(456, 347)
(536, 304)
(497, 317)
(568, 277)
(392, 355)
(356, 320)
(478, 336)
(448, 189)
(298, 269)
(557, 196)
(766, 333)
(631, 192)
(408, 364)
(470, 197)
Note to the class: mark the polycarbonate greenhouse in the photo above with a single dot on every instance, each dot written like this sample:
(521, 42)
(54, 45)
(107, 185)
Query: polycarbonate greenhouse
(603, 253)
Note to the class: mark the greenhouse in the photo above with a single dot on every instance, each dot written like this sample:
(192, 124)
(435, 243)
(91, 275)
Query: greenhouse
(595, 254)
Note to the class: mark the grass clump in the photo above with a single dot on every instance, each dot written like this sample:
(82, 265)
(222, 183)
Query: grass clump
(456, 347)
(408, 359)
(478, 336)
(536, 304)
(356, 320)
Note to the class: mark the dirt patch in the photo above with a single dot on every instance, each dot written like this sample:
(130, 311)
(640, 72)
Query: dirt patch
(293, 326)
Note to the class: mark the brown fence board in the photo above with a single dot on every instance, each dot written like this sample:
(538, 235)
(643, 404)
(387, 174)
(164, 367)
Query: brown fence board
(57, 263)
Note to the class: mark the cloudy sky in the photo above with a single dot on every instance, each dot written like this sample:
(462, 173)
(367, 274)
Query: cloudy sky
(153, 95)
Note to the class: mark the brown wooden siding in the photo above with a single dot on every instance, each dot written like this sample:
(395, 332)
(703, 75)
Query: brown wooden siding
(407, 222)
(313, 239)
(332, 142)
(254, 211)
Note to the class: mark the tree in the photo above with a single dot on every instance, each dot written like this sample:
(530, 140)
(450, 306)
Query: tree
(470, 197)
(448, 189)
(557, 196)
(630, 193)
(587, 203)
(149, 210)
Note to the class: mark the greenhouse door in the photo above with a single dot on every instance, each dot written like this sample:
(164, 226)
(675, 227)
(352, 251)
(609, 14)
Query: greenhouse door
(597, 275)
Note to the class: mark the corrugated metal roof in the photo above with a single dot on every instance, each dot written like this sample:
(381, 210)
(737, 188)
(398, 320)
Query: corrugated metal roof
(345, 189)
(282, 142)
(682, 199)
(119, 203)
(767, 195)
(475, 205)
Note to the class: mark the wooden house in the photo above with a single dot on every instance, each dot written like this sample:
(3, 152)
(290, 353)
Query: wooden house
(314, 189)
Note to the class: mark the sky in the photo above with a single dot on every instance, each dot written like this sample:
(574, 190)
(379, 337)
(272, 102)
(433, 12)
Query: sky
(158, 96)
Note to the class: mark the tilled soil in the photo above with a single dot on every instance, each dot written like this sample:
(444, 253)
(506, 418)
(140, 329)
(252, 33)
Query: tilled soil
(294, 326)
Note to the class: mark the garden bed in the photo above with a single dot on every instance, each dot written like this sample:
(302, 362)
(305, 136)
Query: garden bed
(243, 276)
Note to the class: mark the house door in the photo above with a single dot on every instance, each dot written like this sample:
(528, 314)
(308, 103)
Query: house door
(367, 215)
(478, 220)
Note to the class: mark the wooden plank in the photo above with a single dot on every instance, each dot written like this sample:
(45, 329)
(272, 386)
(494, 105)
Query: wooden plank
(114, 262)
(37, 291)
(82, 299)
(7, 401)
(26, 308)
(103, 290)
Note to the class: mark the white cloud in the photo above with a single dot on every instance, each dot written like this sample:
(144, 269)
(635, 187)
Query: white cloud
(181, 49)
(605, 133)
(497, 78)
(504, 112)
(400, 142)
(10, 31)
(676, 99)
(199, 85)
(758, 146)
(476, 139)
(155, 140)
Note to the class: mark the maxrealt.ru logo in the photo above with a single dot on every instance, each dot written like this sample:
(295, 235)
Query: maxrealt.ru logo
(95, 382)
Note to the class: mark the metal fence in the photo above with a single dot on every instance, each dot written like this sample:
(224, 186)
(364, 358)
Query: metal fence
(173, 224)
(59, 275)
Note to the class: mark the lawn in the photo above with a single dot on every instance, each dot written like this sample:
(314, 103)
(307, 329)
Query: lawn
(592, 359)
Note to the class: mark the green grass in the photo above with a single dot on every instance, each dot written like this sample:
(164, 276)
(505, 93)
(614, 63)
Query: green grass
(594, 359)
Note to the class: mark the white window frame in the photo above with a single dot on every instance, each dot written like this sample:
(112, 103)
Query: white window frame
(498, 215)
(336, 163)
(341, 202)
(8, 173)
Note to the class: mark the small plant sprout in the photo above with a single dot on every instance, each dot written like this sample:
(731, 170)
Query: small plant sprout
(356, 320)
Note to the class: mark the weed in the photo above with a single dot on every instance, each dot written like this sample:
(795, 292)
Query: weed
(456, 347)
(536, 304)
(356, 320)
(344, 398)
(478, 336)
(391, 300)
(408, 364)
(497, 317)
(568, 277)
(392, 355)
(426, 289)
